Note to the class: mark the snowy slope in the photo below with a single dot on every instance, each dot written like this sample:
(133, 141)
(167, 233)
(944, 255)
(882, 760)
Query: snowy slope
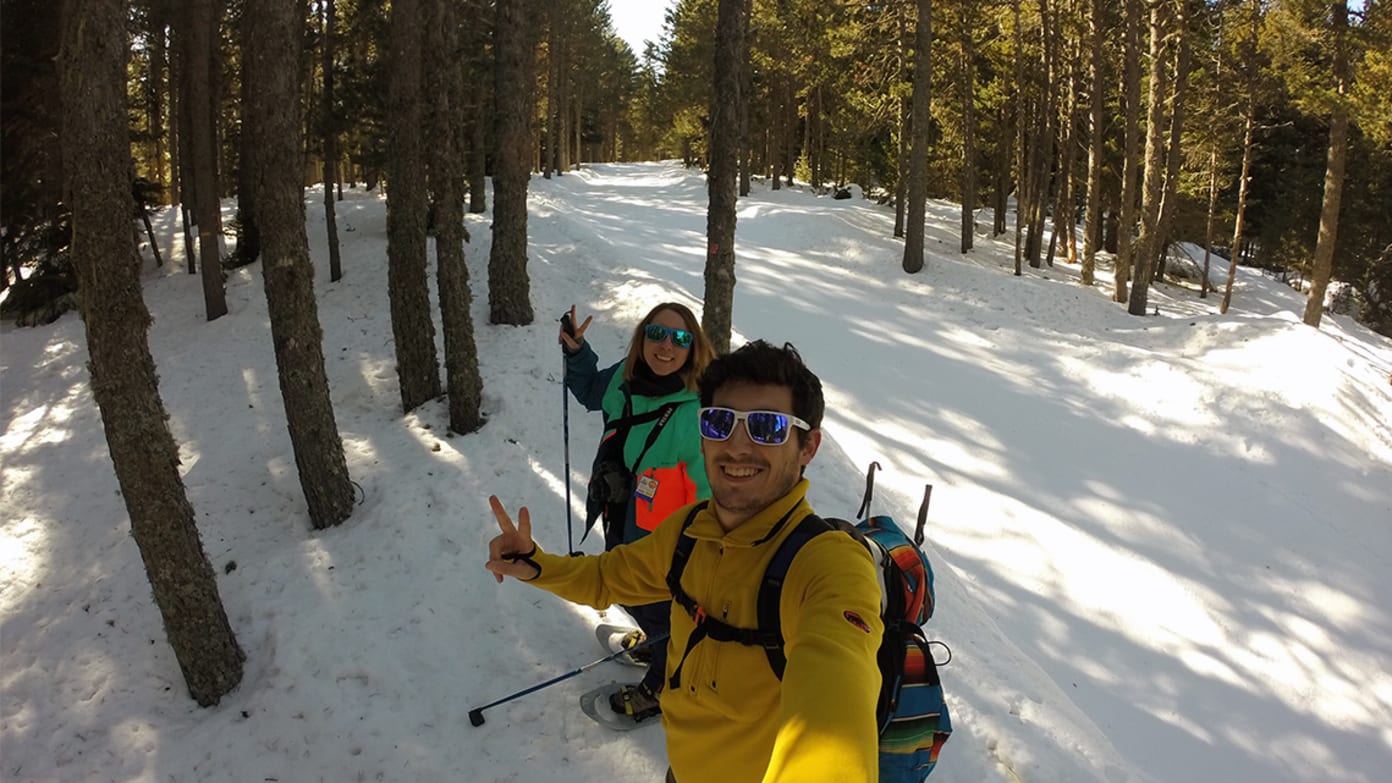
(1161, 542)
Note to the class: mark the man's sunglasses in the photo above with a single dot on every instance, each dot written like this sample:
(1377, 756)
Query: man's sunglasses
(767, 428)
(657, 333)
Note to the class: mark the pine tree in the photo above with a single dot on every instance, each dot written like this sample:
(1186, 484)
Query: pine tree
(273, 36)
(412, 329)
(92, 69)
(444, 84)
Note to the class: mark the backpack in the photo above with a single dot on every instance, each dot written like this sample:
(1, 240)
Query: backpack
(911, 714)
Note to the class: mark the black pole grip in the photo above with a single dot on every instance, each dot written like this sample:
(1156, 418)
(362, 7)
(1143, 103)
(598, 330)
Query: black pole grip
(476, 718)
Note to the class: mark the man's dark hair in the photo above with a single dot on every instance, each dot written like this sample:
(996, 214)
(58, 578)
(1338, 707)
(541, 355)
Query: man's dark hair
(763, 364)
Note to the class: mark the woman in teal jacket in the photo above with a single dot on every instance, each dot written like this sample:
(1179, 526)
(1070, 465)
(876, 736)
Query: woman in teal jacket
(649, 459)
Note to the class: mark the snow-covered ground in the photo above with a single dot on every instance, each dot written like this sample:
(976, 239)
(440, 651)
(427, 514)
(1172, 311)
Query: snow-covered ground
(1162, 543)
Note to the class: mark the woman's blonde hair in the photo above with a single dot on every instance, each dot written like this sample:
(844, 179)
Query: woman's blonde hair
(699, 355)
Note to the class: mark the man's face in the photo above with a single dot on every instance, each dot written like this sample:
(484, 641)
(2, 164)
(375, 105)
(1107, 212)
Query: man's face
(746, 477)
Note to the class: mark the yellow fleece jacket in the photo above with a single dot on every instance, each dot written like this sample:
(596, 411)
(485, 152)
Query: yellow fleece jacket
(732, 720)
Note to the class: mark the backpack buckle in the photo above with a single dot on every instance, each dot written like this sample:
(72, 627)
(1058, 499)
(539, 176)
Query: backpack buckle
(699, 615)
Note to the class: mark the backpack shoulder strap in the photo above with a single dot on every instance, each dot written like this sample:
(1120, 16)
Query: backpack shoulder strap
(771, 589)
(664, 415)
(681, 554)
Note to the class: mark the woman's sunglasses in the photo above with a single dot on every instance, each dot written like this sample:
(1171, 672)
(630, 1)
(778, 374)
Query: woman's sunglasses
(767, 428)
(657, 333)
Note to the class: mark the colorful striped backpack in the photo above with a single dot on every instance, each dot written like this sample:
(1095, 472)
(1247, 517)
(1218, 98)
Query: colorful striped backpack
(912, 714)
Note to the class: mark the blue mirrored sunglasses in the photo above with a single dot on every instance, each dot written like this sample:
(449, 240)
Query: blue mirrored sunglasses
(767, 428)
(657, 333)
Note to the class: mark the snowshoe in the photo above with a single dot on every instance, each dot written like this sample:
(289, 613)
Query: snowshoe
(635, 701)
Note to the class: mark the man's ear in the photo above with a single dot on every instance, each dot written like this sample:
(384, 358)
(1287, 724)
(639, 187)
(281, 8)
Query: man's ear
(809, 448)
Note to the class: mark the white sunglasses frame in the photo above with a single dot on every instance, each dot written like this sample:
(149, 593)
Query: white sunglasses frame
(741, 417)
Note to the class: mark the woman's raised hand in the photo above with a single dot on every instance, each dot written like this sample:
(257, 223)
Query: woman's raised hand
(573, 340)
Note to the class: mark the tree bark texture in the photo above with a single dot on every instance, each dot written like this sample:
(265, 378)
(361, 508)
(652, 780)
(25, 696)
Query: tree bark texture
(417, 367)
(92, 70)
(918, 140)
(445, 86)
(272, 33)
(1334, 170)
(509, 289)
(721, 179)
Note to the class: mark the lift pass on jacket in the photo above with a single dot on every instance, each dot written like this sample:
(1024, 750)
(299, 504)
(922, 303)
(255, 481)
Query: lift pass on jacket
(647, 488)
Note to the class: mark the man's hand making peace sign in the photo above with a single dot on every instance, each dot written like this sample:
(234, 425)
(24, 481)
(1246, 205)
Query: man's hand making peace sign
(510, 553)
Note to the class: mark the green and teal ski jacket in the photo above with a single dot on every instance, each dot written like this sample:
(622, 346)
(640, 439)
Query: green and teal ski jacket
(673, 461)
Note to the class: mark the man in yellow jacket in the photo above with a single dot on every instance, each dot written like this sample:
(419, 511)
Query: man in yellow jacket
(728, 718)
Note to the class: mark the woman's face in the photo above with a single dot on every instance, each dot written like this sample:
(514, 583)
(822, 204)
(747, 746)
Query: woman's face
(665, 358)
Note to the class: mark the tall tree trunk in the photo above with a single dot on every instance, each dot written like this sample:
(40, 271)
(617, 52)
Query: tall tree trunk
(159, 67)
(417, 368)
(92, 70)
(330, 144)
(1174, 150)
(1096, 144)
(776, 119)
(568, 140)
(968, 90)
(273, 49)
(445, 87)
(746, 143)
(1131, 90)
(1234, 251)
(1000, 195)
(508, 285)
(550, 136)
(901, 182)
(202, 103)
(248, 247)
(718, 313)
(1020, 114)
(1248, 126)
(478, 154)
(918, 146)
(180, 121)
(1042, 148)
(1211, 218)
(1153, 189)
(1334, 169)
(1065, 222)
(479, 26)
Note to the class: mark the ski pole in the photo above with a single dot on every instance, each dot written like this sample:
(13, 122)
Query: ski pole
(569, 328)
(476, 714)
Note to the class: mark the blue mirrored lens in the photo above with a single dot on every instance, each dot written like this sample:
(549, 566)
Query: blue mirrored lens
(657, 333)
(767, 428)
(717, 424)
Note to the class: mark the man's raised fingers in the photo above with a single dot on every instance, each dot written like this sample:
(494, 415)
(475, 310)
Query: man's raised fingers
(501, 514)
(524, 524)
